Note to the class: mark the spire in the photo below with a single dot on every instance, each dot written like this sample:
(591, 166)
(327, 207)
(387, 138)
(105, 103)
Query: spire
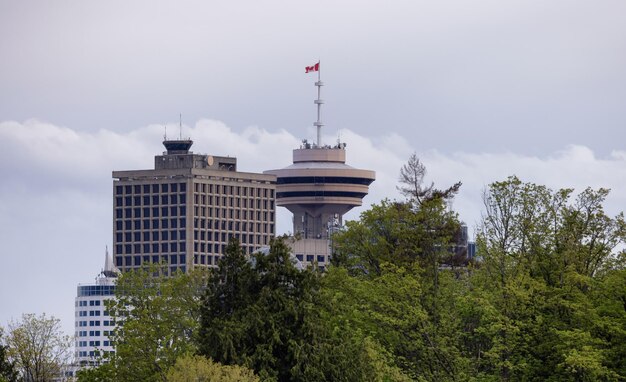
(109, 268)
(319, 102)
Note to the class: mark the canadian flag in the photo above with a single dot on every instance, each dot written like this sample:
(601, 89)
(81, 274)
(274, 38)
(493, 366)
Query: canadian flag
(313, 68)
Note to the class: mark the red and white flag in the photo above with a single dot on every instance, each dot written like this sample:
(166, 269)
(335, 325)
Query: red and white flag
(313, 68)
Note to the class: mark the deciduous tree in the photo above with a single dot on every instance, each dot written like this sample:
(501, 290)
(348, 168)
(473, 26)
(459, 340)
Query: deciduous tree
(38, 347)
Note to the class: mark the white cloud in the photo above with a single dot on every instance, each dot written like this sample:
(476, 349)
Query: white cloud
(55, 198)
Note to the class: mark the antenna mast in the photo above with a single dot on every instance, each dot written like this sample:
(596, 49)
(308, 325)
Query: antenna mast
(319, 103)
(180, 126)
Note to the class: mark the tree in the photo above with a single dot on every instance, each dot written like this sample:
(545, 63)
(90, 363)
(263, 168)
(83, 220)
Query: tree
(387, 312)
(38, 347)
(544, 255)
(412, 177)
(264, 314)
(157, 320)
(7, 367)
(200, 369)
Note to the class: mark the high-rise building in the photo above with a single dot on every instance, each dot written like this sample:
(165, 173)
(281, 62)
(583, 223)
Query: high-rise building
(93, 325)
(185, 210)
(319, 188)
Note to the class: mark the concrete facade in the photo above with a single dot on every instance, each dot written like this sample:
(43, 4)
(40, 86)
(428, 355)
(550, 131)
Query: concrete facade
(184, 211)
(319, 188)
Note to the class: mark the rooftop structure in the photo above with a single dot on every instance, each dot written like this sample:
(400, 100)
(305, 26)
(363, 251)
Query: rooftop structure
(319, 188)
(92, 322)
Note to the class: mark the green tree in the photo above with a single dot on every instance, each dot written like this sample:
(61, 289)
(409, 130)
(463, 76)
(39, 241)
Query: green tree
(388, 311)
(7, 367)
(543, 255)
(38, 347)
(200, 369)
(157, 318)
(263, 314)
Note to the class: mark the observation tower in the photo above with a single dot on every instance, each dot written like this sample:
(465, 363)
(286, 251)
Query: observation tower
(319, 188)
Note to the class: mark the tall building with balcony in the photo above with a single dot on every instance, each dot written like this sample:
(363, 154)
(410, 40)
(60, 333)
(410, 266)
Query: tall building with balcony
(93, 325)
(184, 211)
(319, 188)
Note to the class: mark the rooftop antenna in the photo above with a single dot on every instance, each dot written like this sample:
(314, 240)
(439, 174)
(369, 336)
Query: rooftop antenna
(180, 126)
(319, 103)
(165, 134)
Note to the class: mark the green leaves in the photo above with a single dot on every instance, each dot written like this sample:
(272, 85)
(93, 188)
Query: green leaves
(158, 320)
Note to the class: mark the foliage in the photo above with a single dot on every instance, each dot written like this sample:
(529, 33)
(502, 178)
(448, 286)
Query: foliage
(7, 367)
(201, 369)
(38, 347)
(395, 232)
(545, 302)
(265, 317)
(412, 177)
(158, 319)
(544, 260)
(388, 311)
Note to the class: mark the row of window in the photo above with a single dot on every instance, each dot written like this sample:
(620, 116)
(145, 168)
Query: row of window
(230, 201)
(93, 333)
(147, 188)
(91, 313)
(311, 258)
(132, 249)
(148, 224)
(220, 189)
(137, 260)
(225, 236)
(145, 212)
(92, 353)
(224, 225)
(167, 271)
(95, 323)
(92, 343)
(96, 290)
(219, 247)
(91, 303)
(149, 236)
(147, 200)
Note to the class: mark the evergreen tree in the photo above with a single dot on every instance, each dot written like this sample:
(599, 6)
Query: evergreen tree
(275, 326)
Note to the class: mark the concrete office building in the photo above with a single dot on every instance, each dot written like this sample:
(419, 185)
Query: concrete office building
(319, 188)
(184, 211)
(93, 325)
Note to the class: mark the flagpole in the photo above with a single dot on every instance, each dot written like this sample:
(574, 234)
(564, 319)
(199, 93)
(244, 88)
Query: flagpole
(319, 103)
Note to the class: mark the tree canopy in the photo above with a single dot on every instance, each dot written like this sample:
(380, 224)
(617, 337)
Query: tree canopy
(545, 301)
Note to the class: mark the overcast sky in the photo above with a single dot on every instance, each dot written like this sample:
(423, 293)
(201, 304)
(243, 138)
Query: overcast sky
(480, 90)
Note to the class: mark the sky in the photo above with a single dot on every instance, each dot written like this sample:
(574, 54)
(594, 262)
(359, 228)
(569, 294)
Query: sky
(479, 90)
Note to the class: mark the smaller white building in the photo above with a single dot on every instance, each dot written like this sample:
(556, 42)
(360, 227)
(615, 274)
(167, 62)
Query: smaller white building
(93, 325)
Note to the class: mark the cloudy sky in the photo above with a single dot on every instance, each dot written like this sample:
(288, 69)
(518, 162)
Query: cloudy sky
(480, 90)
